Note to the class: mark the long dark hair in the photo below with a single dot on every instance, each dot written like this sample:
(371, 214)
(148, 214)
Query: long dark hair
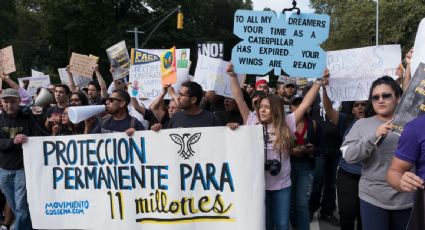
(385, 80)
(83, 98)
(282, 131)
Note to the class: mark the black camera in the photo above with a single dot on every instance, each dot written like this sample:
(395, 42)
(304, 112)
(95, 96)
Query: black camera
(273, 166)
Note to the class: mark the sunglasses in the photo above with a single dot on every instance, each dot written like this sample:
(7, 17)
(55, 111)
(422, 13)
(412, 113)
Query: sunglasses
(111, 99)
(385, 97)
(360, 104)
(290, 86)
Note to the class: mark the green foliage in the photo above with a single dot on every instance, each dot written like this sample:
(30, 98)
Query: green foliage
(44, 33)
(353, 22)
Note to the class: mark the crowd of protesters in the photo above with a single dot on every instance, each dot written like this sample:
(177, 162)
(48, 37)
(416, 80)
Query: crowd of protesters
(318, 158)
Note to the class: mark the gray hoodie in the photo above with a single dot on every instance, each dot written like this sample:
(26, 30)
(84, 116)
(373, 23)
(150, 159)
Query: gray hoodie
(359, 146)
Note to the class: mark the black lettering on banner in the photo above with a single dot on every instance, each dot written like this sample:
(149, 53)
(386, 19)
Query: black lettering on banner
(120, 204)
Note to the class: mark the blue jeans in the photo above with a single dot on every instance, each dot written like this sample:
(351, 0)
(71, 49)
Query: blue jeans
(302, 184)
(12, 184)
(324, 185)
(277, 209)
(376, 218)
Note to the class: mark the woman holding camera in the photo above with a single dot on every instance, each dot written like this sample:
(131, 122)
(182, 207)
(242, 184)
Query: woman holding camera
(278, 130)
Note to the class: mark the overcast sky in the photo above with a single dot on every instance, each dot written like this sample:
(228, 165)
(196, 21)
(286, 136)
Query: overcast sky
(279, 5)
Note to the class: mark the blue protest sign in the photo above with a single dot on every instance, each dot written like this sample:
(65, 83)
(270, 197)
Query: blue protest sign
(288, 43)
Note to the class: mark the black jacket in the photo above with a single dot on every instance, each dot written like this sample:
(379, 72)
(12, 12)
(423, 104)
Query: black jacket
(11, 155)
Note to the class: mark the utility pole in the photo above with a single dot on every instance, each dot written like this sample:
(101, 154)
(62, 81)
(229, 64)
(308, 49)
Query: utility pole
(377, 22)
(136, 36)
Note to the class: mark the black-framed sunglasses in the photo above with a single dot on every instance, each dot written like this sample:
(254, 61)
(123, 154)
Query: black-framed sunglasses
(385, 96)
(111, 99)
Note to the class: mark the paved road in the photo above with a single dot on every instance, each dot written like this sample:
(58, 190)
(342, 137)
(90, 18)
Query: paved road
(321, 225)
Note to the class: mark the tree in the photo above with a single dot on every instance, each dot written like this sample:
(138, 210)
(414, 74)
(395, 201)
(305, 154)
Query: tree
(45, 33)
(353, 23)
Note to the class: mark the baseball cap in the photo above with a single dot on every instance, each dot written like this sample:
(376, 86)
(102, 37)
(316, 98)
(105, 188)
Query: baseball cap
(260, 82)
(9, 92)
(290, 81)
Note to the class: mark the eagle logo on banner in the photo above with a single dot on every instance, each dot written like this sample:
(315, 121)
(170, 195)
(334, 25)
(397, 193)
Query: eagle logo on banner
(185, 142)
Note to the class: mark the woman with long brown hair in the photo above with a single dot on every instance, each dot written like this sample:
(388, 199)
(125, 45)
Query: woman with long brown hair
(278, 130)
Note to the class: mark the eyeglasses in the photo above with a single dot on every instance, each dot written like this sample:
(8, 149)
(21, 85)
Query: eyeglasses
(385, 96)
(363, 104)
(290, 86)
(111, 99)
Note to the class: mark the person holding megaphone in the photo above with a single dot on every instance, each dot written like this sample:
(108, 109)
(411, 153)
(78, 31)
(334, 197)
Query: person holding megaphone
(119, 119)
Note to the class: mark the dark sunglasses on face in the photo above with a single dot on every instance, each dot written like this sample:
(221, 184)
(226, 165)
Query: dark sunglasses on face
(289, 86)
(111, 99)
(359, 104)
(385, 96)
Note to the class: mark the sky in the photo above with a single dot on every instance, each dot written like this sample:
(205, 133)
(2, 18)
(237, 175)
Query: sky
(279, 5)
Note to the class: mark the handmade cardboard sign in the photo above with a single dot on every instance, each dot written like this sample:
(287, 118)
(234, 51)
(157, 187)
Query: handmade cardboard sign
(289, 43)
(82, 65)
(352, 71)
(7, 61)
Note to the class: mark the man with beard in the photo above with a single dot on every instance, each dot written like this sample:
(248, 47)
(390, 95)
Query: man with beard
(118, 120)
(189, 98)
(285, 91)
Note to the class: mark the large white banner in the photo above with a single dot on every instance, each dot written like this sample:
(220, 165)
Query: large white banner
(197, 178)
(353, 70)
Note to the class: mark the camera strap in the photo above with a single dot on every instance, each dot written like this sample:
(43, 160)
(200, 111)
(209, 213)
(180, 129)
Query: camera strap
(266, 140)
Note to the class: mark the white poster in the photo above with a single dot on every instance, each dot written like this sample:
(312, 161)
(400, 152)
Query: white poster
(145, 72)
(172, 179)
(211, 74)
(35, 73)
(34, 83)
(419, 48)
(78, 80)
(352, 71)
